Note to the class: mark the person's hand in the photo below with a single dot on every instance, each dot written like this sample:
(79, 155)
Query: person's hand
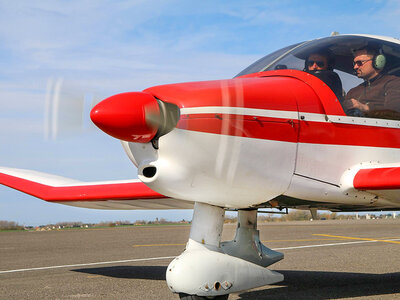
(353, 103)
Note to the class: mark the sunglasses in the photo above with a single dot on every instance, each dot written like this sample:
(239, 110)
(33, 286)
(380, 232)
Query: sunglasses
(360, 63)
(320, 64)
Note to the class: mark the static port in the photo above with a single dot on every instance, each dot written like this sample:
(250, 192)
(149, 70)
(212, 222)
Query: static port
(149, 172)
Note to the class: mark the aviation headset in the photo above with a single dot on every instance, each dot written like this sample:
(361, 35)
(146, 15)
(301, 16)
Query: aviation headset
(379, 60)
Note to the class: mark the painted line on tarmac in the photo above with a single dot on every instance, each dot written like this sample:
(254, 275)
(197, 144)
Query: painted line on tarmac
(157, 245)
(389, 238)
(323, 245)
(301, 240)
(360, 239)
(88, 264)
(333, 244)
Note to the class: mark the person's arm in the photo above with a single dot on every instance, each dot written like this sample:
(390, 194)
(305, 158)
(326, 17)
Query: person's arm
(392, 95)
(354, 103)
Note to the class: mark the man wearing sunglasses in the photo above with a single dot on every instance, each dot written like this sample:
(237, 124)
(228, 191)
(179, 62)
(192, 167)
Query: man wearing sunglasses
(379, 93)
(317, 62)
(321, 64)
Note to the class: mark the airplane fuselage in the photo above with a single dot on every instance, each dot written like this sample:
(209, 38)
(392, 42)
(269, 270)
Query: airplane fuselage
(242, 142)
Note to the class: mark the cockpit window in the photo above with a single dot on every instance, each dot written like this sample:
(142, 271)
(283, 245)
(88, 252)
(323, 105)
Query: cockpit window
(265, 61)
(332, 60)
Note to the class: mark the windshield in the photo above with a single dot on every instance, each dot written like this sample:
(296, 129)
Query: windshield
(260, 64)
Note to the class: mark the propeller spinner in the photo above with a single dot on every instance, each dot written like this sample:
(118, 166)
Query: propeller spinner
(135, 117)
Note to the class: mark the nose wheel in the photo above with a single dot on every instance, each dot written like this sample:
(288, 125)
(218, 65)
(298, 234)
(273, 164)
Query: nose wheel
(183, 296)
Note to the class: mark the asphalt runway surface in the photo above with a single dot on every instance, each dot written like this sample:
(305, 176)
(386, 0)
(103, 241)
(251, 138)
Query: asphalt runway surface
(323, 260)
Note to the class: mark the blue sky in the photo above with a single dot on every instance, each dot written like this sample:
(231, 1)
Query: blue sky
(107, 47)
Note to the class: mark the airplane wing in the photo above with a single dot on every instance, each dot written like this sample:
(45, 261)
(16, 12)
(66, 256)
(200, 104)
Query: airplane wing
(386, 178)
(121, 194)
(382, 180)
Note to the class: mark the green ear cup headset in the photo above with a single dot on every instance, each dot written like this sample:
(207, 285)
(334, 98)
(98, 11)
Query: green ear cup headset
(379, 61)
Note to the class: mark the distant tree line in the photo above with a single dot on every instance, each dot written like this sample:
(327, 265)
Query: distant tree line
(293, 215)
(305, 215)
(10, 225)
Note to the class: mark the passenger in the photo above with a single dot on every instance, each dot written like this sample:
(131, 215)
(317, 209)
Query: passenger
(321, 64)
(379, 95)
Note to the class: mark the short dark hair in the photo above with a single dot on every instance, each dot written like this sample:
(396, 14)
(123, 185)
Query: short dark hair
(370, 50)
(323, 52)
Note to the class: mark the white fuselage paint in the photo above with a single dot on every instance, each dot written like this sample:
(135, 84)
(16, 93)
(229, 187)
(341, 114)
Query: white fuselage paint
(190, 166)
(239, 172)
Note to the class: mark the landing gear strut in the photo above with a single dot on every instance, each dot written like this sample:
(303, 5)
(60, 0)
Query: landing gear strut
(209, 269)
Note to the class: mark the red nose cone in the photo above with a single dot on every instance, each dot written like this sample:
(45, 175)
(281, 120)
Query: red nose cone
(128, 116)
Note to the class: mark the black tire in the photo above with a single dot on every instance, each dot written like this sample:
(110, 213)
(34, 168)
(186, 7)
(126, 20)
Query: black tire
(183, 296)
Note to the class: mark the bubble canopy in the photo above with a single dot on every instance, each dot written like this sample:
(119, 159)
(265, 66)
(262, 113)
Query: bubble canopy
(340, 47)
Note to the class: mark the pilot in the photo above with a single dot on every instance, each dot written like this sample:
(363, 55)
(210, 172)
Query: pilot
(379, 94)
(320, 64)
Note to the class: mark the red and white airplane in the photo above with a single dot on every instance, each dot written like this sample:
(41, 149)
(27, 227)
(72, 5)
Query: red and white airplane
(273, 136)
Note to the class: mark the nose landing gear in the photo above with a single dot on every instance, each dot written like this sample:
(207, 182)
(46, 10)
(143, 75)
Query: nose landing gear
(208, 269)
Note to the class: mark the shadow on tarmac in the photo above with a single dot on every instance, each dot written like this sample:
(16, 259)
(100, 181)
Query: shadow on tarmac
(297, 284)
(133, 272)
(328, 285)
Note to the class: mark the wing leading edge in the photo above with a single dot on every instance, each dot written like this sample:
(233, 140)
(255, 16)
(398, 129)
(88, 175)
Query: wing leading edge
(387, 178)
(382, 180)
(126, 194)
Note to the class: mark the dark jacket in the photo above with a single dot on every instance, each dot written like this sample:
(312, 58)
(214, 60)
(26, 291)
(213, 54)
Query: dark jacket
(380, 93)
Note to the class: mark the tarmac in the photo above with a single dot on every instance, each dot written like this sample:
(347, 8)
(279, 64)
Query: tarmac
(323, 260)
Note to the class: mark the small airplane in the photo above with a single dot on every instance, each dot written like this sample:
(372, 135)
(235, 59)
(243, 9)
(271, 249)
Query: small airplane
(274, 136)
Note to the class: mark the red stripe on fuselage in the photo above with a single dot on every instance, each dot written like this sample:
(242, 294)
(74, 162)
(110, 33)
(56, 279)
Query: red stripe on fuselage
(348, 134)
(286, 130)
(244, 126)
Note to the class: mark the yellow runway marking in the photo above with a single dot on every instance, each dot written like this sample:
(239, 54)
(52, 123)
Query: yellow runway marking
(157, 245)
(357, 238)
(302, 240)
